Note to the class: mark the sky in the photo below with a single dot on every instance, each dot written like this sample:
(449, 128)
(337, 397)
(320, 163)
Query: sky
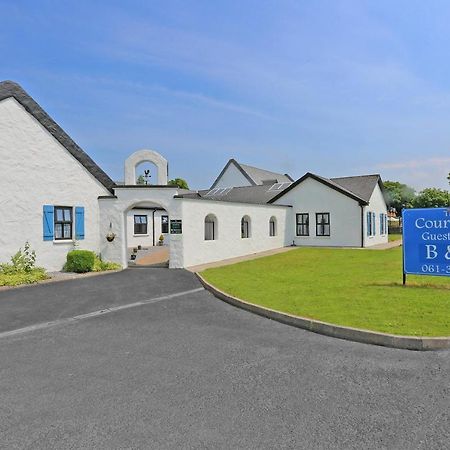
(335, 87)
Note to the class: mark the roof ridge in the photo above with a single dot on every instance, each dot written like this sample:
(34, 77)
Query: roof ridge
(358, 176)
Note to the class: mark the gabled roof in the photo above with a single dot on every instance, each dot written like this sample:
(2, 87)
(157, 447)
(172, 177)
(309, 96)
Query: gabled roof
(254, 175)
(358, 188)
(361, 190)
(362, 185)
(10, 89)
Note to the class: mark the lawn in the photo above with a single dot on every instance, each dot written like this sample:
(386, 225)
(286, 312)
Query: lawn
(358, 288)
(394, 237)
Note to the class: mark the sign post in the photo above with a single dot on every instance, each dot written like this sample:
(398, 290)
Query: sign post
(426, 242)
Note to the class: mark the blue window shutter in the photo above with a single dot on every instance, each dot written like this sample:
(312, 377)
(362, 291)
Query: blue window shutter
(79, 222)
(381, 223)
(374, 228)
(48, 222)
(369, 225)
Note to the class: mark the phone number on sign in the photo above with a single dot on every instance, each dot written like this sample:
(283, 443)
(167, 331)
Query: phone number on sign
(434, 268)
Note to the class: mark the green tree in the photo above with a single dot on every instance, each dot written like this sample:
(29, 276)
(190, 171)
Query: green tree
(140, 179)
(432, 198)
(180, 182)
(399, 195)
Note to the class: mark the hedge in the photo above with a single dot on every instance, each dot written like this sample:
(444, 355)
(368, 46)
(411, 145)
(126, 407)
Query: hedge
(80, 261)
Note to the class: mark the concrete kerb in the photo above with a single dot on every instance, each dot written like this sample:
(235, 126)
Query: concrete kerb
(337, 331)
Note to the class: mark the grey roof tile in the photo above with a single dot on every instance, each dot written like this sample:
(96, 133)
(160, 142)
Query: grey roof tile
(254, 175)
(261, 175)
(362, 185)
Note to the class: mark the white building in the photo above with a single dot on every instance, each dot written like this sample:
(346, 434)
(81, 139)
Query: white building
(52, 194)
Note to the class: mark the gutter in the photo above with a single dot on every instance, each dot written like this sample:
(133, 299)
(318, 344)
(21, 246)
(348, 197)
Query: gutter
(362, 225)
(153, 226)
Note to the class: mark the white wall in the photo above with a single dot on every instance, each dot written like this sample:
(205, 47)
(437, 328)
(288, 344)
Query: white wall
(114, 211)
(232, 177)
(229, 243)
(145, 239)
(313, 197)
(377, 205)
(36, 170)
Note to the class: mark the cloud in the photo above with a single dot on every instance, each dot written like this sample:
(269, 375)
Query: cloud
(419, 173)
(416, 163)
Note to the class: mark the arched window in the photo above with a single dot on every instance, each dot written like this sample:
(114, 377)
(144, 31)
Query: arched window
(273, 226)
(210, 227)
(245, 227)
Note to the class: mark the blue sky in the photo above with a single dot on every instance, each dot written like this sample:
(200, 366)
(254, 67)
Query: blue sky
(333, 87)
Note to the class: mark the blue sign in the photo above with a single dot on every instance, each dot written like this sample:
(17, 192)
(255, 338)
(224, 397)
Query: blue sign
(426, 241)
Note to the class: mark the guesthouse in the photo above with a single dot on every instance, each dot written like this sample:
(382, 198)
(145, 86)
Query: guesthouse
(68, 201)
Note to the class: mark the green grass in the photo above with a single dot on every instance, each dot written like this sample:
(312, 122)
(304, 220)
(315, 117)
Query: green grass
(394, 237)
(17, 278)
(357, 288)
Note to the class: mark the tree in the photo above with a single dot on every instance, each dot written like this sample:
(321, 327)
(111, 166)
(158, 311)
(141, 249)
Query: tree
(432, 198)
(399, 195)
(140, 179)
(182, 184)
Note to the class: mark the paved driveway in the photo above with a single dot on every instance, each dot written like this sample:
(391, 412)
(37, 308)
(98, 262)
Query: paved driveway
(64, 299)
(193, 372)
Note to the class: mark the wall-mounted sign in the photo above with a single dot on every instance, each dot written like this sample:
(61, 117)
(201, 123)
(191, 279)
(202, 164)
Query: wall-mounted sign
(176, 227)
(426, 242)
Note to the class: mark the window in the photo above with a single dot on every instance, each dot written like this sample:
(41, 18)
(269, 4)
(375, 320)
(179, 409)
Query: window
(371, 225)
(140, 224)
(272, 226)
(245, 227)
(322, 224)
(303, 224)
(383, 223)
(164, 224)
(63, 222)
(210, 227)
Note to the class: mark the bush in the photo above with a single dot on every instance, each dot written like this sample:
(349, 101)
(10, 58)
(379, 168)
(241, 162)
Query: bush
(80, 261)
(100, 265)
(21, 269)
(16, 278)
(22, 262)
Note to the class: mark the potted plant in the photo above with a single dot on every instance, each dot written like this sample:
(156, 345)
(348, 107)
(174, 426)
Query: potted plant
(161, 240)
(110, 236)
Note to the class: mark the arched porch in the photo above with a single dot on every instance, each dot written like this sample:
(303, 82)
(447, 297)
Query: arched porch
(117, 217)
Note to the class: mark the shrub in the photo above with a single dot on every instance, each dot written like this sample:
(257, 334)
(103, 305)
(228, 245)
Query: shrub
(16, 278)
(100, 265)
(22, 262)
(21, 269)
(80, 261)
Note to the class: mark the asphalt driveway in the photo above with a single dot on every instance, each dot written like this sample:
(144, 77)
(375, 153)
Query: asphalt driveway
(30, 305)
(193, 372)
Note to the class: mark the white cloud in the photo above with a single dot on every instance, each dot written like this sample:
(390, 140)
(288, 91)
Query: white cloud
(419, 173)
(417, 163)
